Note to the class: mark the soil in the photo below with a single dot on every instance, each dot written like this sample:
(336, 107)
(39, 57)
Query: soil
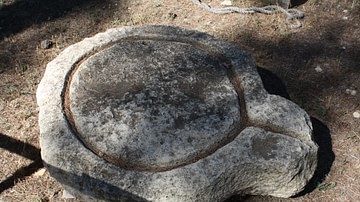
(319, 64)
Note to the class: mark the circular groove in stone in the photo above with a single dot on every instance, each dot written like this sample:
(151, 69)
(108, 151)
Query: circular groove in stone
(152, 104)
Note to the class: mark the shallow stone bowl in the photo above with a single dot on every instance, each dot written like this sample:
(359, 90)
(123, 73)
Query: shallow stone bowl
(159, 113)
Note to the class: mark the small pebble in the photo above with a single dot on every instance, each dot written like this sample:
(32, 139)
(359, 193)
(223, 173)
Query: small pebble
(345, 18)
(351, 92)
(186, 21)
(172, 16)
(67, 195)
(318, 69)
(356, 114)
(46, 44)
(226, 3)
(40, 172)
(208, 23)
(345, 11)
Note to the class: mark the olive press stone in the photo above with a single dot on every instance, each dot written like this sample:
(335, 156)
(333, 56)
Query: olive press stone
(159, 113)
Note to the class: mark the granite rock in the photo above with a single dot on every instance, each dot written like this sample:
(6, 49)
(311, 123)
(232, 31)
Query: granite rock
(158, 113)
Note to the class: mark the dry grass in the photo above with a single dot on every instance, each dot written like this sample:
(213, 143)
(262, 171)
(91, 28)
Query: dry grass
(329, 38)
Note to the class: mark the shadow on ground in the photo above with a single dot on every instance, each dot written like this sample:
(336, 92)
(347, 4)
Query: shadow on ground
(294, 56)
(326, 156)
(23, 149)
(24, 24)
(23, 13)
(295, 3)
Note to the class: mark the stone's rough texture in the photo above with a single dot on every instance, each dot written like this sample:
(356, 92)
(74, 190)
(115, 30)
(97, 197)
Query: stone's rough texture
(167, 112)
(161, 113)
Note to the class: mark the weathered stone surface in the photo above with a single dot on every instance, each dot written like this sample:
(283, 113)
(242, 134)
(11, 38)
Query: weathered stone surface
(160, 113)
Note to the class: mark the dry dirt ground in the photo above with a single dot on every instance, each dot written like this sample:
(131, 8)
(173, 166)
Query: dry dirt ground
(319, 64)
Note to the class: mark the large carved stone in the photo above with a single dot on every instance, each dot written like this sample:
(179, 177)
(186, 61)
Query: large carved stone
(161, 113)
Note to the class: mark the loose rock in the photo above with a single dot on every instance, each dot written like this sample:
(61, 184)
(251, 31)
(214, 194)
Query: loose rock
(172, 16)
(351, 92)
(356, 114)
(40, 172)
(67, 195)
(226, 3)
(318, 69)
(46, 44)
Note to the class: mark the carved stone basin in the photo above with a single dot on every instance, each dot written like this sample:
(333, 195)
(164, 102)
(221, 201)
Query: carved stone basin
(160, 113)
